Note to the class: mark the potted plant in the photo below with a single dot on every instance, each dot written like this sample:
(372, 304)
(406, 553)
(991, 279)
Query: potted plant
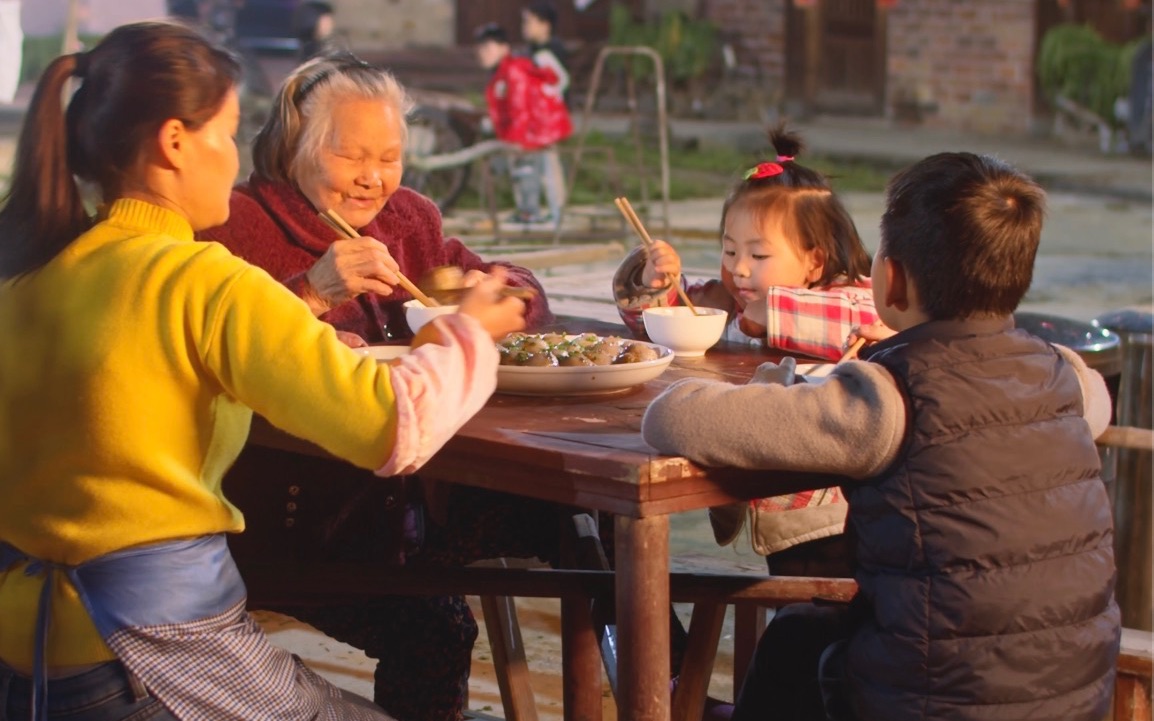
(1085, 77)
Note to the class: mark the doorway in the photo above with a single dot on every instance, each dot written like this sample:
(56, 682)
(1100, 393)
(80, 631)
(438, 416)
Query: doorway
(836, 56)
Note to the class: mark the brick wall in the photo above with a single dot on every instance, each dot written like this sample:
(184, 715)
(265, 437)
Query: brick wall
(757, 30)
(962, 64)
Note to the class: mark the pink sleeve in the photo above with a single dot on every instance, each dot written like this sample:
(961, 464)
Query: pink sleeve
(438, 387)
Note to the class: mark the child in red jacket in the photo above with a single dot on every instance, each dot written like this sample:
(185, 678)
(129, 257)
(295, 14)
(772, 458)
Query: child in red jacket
(523, 113)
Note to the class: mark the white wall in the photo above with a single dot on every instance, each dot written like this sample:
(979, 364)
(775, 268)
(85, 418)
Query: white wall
(47, 17)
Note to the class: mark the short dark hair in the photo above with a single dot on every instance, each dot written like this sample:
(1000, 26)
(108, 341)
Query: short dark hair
(966, 229)
(491, 32)
(545, 11)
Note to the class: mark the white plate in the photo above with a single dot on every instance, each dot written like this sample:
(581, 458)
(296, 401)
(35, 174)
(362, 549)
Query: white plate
(581, 380)
(383, 352)
(814, 372)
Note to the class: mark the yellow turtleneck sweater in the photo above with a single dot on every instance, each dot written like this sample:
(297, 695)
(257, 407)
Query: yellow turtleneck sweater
(128, 367)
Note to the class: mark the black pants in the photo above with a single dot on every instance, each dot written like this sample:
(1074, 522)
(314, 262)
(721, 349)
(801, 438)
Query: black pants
(783, 680)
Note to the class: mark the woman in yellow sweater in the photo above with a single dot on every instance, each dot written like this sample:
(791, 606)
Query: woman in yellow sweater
(133, 358)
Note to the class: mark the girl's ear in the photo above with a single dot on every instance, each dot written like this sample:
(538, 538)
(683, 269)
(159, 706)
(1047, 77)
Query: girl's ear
(815, 265)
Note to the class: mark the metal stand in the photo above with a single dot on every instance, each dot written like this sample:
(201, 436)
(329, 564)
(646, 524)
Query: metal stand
(662, 128)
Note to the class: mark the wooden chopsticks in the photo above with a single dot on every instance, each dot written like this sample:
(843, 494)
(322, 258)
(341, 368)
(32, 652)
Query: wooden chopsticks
(853, 350)
(337, 223)
(626, 209)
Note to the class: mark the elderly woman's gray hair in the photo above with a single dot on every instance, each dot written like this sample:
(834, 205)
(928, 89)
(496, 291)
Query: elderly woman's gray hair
(301, 120)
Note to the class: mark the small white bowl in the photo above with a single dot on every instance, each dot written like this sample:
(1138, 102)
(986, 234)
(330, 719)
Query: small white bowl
(383, 352)
(677, 328)
(418, 314)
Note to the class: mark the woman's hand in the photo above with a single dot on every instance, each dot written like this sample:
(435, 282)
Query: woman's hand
(662, 265)
(347, 269)
(499, 315)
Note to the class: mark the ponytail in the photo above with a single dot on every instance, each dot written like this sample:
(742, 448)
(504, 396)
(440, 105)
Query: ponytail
(42, 211)
(136, 78)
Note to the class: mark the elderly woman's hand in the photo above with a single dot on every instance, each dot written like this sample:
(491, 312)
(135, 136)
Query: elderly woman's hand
(352, 340)
(499, 315)
(347, 269)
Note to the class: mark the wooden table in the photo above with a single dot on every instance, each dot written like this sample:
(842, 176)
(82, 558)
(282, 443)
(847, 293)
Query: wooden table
(588, 452)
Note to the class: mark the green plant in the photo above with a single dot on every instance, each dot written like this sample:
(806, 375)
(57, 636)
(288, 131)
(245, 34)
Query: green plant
(687, 47)
(40, 50)
(1075, 62)
(695, 172)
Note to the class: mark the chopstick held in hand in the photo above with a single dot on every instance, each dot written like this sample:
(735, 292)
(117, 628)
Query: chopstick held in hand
(853, 350)
(626, 209)
(337, 223)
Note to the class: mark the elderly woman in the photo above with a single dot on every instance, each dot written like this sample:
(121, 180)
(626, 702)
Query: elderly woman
(336, 140)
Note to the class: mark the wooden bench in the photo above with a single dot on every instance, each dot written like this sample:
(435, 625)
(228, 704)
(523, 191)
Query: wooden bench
(1132, 689)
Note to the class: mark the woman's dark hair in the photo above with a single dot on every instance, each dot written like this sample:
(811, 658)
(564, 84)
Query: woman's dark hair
(137, 78)
(966, 229)
(812, 214)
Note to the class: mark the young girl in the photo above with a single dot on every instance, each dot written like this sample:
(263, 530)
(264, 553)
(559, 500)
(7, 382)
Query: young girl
(794, 272)
(794, 276)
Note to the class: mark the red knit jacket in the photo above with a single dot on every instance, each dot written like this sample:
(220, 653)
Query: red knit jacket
(521, 110)
(273, 226)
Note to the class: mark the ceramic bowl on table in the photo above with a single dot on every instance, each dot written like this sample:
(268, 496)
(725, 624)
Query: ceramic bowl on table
(688, 334)
(418, 314)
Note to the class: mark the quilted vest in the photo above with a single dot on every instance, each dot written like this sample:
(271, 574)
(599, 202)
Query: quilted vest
(985, 552)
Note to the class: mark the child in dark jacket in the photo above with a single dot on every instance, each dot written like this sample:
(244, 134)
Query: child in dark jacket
(981, 527)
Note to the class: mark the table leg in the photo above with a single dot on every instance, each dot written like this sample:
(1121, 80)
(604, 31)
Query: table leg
(642, 561)
(580, 661)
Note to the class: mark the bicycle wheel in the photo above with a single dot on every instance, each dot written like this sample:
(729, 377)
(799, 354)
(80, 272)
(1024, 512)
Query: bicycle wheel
(432, 130)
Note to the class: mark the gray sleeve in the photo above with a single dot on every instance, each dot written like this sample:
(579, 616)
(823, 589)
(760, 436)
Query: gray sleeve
(546, 59)
(851, 424)
(1096, 404)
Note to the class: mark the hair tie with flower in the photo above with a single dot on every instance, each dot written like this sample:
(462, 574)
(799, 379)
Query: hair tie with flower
(767, 170)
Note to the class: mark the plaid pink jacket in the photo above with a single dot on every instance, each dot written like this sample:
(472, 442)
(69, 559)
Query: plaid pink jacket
(816, 321)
